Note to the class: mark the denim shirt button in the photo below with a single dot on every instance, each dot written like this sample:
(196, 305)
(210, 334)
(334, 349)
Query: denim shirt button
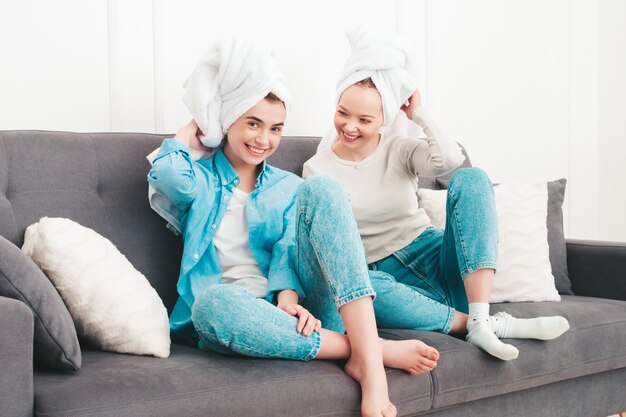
(213, 226)
(225, 197)
(196, 256)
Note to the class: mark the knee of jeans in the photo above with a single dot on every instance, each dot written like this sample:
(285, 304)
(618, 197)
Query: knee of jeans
(321, 189)
(214, 302)
(470, 179)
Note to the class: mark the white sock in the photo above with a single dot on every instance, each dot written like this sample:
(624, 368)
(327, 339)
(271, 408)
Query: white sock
(480, 333)
(543, 328)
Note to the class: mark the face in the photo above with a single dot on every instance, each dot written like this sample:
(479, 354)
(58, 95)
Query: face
(256, 134)
(359, 117)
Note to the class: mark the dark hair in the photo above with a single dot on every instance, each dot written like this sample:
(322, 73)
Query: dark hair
(367, 83)
(272, 97)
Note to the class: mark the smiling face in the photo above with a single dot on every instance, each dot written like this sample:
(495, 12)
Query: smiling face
(358, 120)
(255, 135)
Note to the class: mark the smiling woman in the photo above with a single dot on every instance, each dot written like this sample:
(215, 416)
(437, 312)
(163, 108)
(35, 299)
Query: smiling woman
(254, 137)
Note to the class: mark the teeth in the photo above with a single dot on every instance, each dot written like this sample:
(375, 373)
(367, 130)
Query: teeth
(256, 150)
(350, 137)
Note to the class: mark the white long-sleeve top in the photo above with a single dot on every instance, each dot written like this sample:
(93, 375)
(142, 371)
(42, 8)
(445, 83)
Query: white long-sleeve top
(383, 186)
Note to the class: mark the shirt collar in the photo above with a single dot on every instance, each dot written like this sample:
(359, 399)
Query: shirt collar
(229, 175)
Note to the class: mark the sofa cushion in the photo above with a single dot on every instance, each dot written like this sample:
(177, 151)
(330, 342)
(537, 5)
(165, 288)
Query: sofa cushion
(112, 304)
(55, 343)
(522, 208)
(190, 382)
(556, 235)
(594, 343)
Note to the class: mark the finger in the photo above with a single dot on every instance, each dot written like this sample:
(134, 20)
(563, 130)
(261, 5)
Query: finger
(318, 325)
(301, 323)
(310, 325)
(290, 310)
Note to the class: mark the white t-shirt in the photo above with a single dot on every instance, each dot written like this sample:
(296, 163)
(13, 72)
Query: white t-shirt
(383, 186)
(232, 244)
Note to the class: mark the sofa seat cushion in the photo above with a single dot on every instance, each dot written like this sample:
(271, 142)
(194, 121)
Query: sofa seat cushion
(594, 343)
(194, 383)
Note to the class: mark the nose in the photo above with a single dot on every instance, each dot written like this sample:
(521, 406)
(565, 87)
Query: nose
(350, 126)
(262, 138)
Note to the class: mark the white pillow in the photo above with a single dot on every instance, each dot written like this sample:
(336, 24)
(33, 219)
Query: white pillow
(112, 304)
(523, 268)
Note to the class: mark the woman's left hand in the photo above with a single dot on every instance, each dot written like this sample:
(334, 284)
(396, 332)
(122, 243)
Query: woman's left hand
(307, 324)
(413, 102)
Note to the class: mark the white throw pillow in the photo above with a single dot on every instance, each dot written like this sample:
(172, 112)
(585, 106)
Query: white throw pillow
(112, 304)
(523, 268)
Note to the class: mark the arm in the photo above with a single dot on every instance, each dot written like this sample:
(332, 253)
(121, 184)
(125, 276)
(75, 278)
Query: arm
(16, 358)
(597, 269)
(172, 172)
(436, 156)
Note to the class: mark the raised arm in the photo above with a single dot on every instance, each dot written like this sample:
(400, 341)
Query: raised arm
(173, 172)
(438, 154)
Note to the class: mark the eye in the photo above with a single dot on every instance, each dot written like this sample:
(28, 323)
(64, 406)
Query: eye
(366, 121)
(341, 112)
(277, 129)
(253, 124)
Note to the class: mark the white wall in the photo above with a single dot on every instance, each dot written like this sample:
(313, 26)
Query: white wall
(532, 88)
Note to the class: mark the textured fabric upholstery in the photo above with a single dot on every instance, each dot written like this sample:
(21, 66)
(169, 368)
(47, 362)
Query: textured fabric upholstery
(191, 382)
(16, 353)
(97, 180)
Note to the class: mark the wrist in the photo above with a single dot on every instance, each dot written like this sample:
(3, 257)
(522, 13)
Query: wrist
(286, 297)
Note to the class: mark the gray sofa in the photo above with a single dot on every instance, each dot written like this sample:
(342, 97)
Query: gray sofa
(99, 180)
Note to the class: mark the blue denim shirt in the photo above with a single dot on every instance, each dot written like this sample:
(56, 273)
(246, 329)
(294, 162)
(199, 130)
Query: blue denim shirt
(202, 190)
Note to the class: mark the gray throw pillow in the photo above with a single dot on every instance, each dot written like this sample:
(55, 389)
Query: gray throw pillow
(556, 236)
(55, 341)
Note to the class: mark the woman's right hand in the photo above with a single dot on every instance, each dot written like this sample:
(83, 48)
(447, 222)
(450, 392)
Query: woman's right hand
(188, 136)
(412, 103)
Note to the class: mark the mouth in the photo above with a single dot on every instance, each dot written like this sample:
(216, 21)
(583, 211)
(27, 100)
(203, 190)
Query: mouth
(256, 151)
(349, 138)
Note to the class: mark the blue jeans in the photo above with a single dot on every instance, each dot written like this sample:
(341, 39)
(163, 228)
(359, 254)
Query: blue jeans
(331, 266)
(421, 285)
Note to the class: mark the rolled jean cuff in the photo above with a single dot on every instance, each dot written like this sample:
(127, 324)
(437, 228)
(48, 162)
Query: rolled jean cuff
(317, 342)
(475, 267)
(364, 292)
(449, 321)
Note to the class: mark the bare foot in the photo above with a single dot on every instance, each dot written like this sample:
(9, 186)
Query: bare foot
(374, 395)
(413, 356)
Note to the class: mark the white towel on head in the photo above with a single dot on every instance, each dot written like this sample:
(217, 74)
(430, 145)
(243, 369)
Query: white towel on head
(232, 76)
(384, 57)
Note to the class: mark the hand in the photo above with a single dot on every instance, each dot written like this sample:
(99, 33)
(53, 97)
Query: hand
(414, 101)
(307, 324)
(188, 136)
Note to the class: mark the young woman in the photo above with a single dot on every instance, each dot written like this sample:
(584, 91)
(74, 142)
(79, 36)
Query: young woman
(273, 266)
(425, 278)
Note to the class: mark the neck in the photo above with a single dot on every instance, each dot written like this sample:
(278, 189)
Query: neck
(355, 154)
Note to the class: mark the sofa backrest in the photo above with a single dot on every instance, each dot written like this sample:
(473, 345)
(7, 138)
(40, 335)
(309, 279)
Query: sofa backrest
(99, 181)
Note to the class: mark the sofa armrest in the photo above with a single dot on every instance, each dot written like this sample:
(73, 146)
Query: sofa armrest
(16, 358)
(597, 269)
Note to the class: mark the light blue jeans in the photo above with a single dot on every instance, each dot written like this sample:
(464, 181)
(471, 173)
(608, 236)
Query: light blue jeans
(331, 266)
(421, 285)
